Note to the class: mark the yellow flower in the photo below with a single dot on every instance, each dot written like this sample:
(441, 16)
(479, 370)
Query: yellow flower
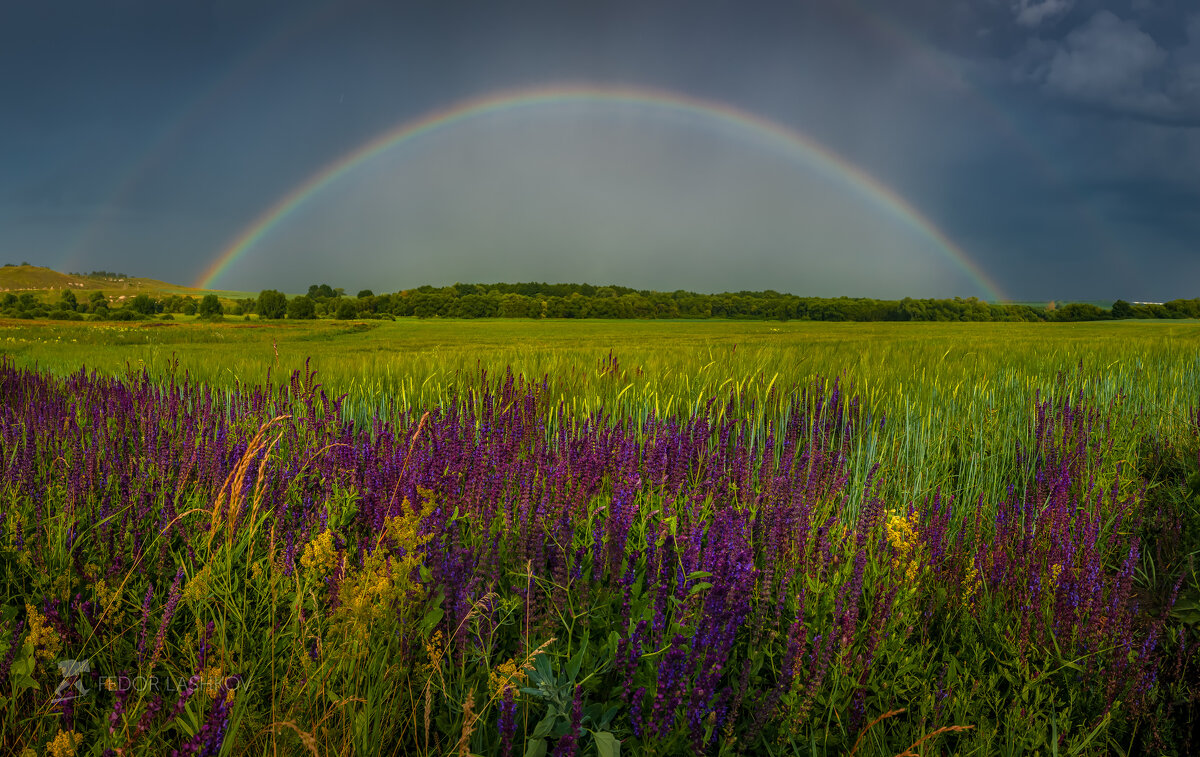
(64, 744)
(507, 676)
(1055, 572)
(211, 679)
(905, 541)
(105, 595)
(435, 649)
(199, 587)
(41, 634)
(972, 584)
(319, 556)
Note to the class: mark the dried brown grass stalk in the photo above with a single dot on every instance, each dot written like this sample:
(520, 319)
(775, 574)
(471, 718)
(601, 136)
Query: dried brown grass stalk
(231, 490)
(910, 752)
(872, 724)
(306, 738)
(464, 740)
(404, 465)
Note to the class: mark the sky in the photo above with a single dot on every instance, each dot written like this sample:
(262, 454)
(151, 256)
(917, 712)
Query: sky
(1017, 149)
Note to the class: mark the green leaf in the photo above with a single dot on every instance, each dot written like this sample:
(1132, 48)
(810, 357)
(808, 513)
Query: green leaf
(607, 744)
(24, 664)
(432, 617)
(536, 748)
(543, 728)
(699, 588)
(576, 663)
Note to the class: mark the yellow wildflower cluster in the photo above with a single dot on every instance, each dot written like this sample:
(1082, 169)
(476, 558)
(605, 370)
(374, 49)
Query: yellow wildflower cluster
(905, 541)
(1055, 572)
(42, 634)
(507, 676)
(366, 596)
(435, 649)
(972, 585)
(319, 556)
(199, 587)
(64, 744)
(385, 585)
(60, 587)
(211, 679)
(108, 597)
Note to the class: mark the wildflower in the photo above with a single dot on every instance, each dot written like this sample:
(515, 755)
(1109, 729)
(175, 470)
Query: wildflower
(106, 596)
(506, 678)
(972, 584)
(199, 587)
(507, 722)
(905, 541)
(64, 744)
(320, 556)
(212, 681)
(42, 636)
(168, 613)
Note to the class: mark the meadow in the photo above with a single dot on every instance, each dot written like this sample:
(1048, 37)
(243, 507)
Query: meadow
(581, 537)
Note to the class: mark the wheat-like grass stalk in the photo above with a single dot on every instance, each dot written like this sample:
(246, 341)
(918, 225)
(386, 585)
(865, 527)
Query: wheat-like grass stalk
(306, 738)
(872, 724)
(945, 729)
(464, 740)
(231, 489)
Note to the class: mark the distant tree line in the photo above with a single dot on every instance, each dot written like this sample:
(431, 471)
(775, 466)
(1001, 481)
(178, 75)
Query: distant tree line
(534, 300)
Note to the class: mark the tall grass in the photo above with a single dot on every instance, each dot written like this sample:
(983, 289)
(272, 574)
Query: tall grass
(669, 538)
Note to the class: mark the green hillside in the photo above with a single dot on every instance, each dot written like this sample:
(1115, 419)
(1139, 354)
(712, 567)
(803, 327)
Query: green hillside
(25, 278)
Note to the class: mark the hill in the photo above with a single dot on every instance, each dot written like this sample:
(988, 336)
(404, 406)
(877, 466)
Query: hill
(33, 278)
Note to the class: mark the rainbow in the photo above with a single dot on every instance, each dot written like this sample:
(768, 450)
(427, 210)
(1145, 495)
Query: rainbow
(769, 132)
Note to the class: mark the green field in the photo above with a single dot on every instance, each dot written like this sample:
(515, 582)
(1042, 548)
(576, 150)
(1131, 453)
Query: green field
(965, 385)
(998, 535)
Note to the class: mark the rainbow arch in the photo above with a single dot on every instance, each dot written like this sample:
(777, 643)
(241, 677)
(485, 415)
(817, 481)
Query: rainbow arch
(767, 131)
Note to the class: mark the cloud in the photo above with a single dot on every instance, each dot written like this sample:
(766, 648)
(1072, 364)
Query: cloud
(1185, 85)
(1106, 60)
(1033, 13)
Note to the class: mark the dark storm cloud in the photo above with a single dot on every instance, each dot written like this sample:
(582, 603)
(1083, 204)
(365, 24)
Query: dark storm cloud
(1054, 140)
(1115, 65)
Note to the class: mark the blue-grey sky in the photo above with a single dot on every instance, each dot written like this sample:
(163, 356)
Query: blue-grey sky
(1056, 142)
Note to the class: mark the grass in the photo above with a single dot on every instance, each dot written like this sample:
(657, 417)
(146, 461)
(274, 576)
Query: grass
(944, 387)
(1021, 466)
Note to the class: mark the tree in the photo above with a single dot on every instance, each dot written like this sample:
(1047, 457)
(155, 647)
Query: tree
(210, 306)
(365, 293)
(320, 292)
(143, 304)
(1122, 309)
(68, 300)
(301, 307)
(272, 303)
(345, 310)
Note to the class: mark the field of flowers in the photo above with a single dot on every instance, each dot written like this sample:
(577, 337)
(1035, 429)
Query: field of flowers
(732, 544)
